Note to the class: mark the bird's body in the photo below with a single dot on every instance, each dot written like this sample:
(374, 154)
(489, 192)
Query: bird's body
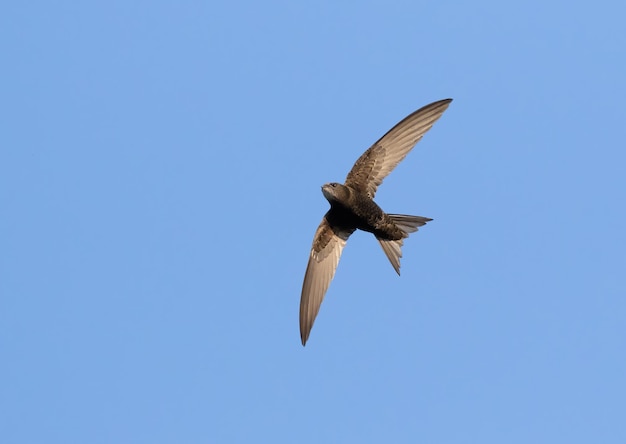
(352, 207)
(348, 207)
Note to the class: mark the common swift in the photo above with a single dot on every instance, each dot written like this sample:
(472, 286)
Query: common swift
(352, 207)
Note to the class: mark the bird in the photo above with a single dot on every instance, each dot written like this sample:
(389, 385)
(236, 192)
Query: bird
(352, 208)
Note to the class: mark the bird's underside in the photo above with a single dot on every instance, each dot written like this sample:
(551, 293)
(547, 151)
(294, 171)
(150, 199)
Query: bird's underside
(353, 207)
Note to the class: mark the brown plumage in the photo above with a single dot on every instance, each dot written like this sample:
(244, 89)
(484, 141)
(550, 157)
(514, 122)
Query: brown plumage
(352, 207)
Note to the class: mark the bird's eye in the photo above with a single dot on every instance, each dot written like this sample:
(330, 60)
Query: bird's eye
(334, 185)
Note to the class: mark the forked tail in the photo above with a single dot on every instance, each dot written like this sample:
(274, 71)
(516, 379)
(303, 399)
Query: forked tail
(393, 248)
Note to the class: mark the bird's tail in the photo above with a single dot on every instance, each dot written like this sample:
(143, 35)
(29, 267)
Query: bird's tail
(393, 248)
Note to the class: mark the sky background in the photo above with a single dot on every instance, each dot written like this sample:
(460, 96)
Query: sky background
(160, 173)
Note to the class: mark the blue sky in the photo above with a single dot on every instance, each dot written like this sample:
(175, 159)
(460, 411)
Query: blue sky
(160, 173)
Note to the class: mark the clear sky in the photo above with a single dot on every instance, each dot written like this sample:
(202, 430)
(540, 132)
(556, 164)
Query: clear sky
(160, 173)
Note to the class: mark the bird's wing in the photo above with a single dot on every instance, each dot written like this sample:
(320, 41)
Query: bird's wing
(327, 246)
(381, 158)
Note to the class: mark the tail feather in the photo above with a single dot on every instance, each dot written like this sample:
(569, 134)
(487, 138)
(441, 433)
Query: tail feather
(393, 248)
(409, 224)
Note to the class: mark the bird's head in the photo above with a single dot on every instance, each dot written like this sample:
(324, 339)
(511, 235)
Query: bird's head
(335, 192)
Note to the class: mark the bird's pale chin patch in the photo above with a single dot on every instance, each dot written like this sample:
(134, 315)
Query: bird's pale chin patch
(327, 192)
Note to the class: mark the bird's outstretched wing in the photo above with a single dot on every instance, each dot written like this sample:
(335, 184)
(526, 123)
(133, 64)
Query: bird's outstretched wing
(381, 158)
(327, 246)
